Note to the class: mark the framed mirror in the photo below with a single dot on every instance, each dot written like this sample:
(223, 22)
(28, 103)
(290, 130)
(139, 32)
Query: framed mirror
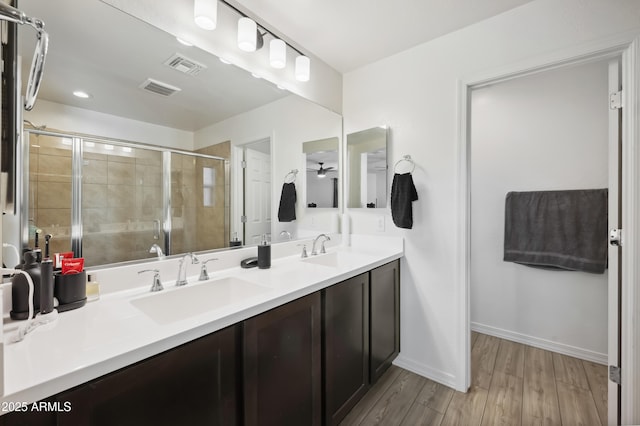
(367, 168)
(322, 174)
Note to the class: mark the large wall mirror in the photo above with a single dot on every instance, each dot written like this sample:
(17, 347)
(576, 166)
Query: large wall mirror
(322, 174)
(149, 155)
(367, 168)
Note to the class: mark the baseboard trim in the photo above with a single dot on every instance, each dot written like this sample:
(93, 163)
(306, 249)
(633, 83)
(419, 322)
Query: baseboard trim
(430, 373)
(537, 342)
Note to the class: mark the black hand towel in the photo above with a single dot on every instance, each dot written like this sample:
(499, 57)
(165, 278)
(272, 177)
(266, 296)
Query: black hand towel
(287, 209)
(403, 193)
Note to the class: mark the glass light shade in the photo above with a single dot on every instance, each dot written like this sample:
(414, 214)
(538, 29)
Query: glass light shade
(247, 34)
(205, 13)
(303, 68)
(278, 53)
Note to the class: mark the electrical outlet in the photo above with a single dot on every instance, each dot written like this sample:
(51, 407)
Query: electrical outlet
(380, 224)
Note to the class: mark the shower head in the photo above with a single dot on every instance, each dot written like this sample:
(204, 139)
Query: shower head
(11, 14)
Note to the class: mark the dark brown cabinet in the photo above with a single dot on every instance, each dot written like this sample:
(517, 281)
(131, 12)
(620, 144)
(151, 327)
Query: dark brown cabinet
(307, 362)
(346, 346)
(282, 365)
(384, 317)
(194, 383)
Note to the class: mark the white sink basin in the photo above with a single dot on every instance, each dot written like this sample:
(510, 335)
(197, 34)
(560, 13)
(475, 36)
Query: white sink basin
(334, 259)
(165, 307)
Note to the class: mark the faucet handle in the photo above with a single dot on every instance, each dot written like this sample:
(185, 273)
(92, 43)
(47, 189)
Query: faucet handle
(204, 274)
(157, 284)
(304, 250)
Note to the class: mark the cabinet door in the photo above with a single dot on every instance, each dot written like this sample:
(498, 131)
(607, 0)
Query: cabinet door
(192, 384)
(282, 365)
(346, 346)
(385, 317)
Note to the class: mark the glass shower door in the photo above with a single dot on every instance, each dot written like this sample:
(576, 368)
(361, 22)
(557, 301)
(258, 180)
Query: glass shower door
(199, 205)
(121, 202)
(50, 191)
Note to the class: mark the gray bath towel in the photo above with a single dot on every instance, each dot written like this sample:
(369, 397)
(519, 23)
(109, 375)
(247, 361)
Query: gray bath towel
(557, 229)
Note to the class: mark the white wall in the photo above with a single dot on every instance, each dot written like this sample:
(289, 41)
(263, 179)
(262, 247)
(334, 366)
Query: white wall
(416, 92)
(546, 131)
(77, 120)
(288, 122)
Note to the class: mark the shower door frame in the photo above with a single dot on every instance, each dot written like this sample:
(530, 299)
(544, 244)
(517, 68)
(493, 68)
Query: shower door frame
(76, 183)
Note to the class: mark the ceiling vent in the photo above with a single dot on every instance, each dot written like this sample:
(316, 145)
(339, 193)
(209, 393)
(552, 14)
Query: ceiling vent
(159, 87)
(184, 64)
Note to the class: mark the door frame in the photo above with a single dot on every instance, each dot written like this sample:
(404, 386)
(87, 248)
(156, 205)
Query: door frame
(236, 196)
(628, 46)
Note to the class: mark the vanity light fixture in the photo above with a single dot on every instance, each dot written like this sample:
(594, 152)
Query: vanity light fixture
(205, 14)
(81, 94)
(277, 53)
(303, 68)
(249, 38)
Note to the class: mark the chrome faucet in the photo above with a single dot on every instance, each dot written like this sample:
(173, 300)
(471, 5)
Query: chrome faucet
(286, 234)
(157, 284)
(204, 274)
(157, 250)
(182, 268)
(322, 250)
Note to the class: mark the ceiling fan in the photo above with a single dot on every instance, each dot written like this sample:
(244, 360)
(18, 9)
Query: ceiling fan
(322, 171)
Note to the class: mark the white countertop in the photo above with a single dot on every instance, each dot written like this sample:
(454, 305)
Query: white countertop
(111, 333)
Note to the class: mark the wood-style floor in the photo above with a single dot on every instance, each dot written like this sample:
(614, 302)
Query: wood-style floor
(512, 384)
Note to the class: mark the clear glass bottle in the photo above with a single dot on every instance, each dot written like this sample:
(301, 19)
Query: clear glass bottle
(93, 288)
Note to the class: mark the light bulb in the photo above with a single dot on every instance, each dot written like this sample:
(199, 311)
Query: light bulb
(205, 13)
(303, 67)
(247, 32)
(278, 53)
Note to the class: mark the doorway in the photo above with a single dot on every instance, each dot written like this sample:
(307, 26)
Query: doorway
(253, 201)
(540, 132)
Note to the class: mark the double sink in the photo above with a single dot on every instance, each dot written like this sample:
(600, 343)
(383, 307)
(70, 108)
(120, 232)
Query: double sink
(176, 304)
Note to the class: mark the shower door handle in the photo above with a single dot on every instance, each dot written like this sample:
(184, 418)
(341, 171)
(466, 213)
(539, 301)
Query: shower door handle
(156, 229)
(615, 237)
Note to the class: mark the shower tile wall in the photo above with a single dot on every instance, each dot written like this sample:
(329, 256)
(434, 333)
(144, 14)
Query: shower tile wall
(50, 191)
(121, 199)
(221, 209)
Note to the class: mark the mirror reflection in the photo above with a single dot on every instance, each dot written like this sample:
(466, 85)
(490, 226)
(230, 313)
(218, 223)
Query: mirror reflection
(367, 168)
(187, 147)
(322, 177)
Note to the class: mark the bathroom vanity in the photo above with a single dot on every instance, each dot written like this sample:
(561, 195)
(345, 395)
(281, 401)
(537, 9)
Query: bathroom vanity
(302, 351)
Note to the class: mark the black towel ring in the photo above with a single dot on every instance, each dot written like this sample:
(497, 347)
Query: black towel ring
(291, 175)
(408, 159)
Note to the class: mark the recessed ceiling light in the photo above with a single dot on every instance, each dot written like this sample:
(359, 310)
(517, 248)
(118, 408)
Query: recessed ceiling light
(225, 61)
(255, 75)
(280, 87)
(184, 42)
(81, 94)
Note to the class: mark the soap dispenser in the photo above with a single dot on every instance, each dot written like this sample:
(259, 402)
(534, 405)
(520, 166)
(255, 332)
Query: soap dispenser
(20, 288)
(264, 253)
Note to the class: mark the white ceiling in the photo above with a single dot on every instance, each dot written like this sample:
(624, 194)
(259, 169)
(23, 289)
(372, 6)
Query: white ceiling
(99, 49)
(347, 34)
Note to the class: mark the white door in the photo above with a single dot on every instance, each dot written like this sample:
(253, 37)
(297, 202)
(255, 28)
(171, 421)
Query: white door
(257, 196)
(614, 282)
